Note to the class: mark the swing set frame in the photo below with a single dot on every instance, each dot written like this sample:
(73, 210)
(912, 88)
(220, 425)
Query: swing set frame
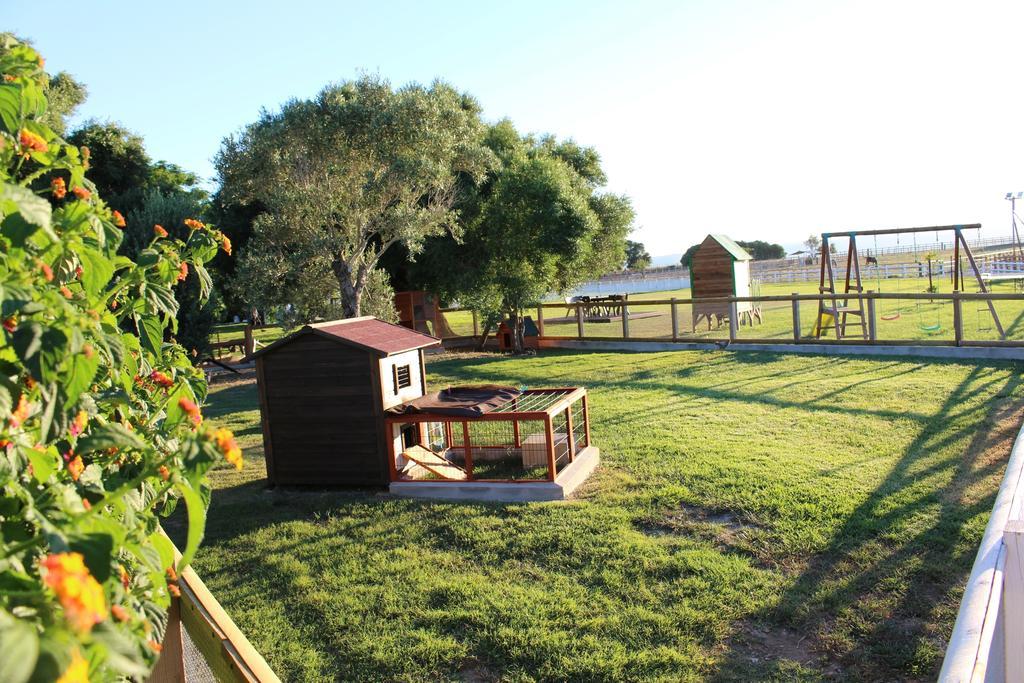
(838, 309)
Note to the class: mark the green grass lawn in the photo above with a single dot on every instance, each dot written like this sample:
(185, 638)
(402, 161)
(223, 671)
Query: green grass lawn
(755, 517)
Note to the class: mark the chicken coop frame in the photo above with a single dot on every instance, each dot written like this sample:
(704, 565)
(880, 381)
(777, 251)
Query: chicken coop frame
(431, 443)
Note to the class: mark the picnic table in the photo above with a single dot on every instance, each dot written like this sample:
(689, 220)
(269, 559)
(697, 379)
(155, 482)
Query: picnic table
(601, 306)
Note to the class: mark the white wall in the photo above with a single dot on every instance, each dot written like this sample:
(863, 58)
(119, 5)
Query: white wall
(387, 385)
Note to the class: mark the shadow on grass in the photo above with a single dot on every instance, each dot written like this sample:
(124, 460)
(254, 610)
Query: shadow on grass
(882, 584)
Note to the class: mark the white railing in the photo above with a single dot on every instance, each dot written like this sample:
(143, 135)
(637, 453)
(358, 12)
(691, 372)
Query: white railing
(986, 644)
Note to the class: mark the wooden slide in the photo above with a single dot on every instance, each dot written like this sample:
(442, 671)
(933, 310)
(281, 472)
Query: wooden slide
(434, 463)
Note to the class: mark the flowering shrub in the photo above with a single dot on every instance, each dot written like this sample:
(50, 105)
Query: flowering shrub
(100, 427)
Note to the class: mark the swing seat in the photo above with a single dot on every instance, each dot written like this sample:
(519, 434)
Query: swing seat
(890, 316)
(931, 328)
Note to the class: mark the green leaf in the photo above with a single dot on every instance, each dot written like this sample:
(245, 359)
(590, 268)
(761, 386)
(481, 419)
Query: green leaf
(28, 339)
(196, 508)
(151, 331)
(44, 463)
(96, 270)
(97, 550)
(19, 649)
(174, 412)
(205, 281)
(164, 547)
(33, 210)
(10, 108)
(122, 653)
(111, 435)
(83, 371)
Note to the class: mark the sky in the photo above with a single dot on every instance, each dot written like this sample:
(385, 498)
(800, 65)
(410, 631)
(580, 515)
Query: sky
(761, 120)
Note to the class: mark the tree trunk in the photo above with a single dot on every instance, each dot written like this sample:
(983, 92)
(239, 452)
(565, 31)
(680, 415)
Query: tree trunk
(483, 337)
(518, 326)
(350, 293)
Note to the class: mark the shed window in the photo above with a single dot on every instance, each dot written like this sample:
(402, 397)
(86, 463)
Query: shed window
(403, 377)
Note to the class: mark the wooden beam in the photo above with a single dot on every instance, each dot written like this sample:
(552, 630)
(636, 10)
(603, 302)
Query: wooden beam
(675, 320)
(550, 431)
(796, 319)
(894, 231)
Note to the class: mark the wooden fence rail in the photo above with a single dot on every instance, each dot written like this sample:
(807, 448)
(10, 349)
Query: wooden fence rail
(203, 643)
(576, 314)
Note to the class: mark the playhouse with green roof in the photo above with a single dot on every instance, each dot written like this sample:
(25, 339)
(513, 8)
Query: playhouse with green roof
(721, 268)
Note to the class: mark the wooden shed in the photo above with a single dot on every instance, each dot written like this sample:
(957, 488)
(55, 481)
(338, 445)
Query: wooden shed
(323, 392)
(721, 268)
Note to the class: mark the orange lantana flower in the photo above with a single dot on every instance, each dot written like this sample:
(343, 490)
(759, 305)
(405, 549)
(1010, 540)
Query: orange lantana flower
(47, 271)
(118, 219)
(165, 473)
(159, 231)
(225, 243)
(81, 192)
(76, 467)
(79, 593)
(192, 409)
(182, 271)
(58, 188)
(193, 224)
(20, 413)
(161, 379)
(31, 141)
(228, 447)
(66, 292)
(78, 424)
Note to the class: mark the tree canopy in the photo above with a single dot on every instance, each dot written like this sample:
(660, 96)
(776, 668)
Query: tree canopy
(341, 179)
(537, 224)
(637, 257)
(122, 169)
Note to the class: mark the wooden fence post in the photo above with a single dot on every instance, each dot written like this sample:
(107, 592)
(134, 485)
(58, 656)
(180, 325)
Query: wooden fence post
(1013, 599)
(675, 321)
(625, 320)
(250, 341)
(796, 317)
(958, 319)
(733, 323)
(579, 321)
(540, 320)
(872, 322)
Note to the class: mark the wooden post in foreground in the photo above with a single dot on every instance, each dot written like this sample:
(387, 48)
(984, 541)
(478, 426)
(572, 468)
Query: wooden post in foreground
(796, 317)
(872, 322)
(675, 321)
(625, 320)
(1013, 600)
(540, 320)
(733, 323)
(579, 320)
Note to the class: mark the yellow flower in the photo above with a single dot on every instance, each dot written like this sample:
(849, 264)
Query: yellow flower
(79, 593)
(77, 672)
(228, 446)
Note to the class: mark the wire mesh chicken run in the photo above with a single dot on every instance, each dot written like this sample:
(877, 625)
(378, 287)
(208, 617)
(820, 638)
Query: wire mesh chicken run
(531, 438)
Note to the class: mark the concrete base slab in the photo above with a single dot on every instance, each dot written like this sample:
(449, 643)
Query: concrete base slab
(567, 481)
(950, 352)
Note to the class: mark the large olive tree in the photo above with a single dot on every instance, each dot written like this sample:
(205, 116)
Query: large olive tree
(342, 178)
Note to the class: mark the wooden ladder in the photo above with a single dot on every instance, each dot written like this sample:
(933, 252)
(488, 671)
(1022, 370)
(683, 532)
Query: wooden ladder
(840, 310)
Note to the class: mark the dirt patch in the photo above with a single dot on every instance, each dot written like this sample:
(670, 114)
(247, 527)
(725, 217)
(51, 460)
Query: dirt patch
(475, 671)
(728, 531)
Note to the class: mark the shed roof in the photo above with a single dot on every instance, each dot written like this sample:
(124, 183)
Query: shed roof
(735, 250)
(369, 333)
